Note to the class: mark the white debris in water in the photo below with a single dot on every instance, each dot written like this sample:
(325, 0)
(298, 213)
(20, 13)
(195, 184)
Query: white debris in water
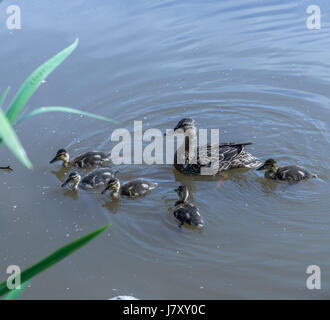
(123, 298)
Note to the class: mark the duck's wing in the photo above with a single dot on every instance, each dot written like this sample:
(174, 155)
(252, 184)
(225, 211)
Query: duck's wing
(222, 154)
(188, 213)
(225, 151)
(292, 173)
(88, 181)
(98, 177)
(90, 159)
(104, 175)
(138, 187)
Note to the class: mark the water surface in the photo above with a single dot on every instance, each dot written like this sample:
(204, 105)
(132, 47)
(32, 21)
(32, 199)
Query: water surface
(250, 68)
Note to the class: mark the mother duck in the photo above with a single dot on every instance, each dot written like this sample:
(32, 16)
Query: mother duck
(191, 160)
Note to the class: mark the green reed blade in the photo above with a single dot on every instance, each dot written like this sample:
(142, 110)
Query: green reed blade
(9, 136)
(16, 293)
(64, 109)
(54, 258)
(3, 97)
(32, 83)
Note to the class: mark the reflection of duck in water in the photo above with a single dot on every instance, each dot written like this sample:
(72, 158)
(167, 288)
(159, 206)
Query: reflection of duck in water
(131, 189)
(227, 155)
(60, 174)
(290, 173)
(113, 206)
(84, 160)
(185, 212)
(95, 179)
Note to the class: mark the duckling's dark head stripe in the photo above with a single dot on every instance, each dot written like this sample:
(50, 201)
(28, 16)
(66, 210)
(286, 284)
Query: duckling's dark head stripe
(73, 174)
(61, 151)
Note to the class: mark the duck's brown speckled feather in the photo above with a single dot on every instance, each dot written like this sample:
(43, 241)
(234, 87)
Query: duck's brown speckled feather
(292, 173)
(90, 159)
(97, 178)
(187, 213)
(137, 188)
(230, 156)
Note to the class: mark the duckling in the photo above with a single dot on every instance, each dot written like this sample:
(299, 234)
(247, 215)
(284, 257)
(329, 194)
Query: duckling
(184, 211)
(84, 160)
(229, 155)
(289, 173)
(131, 189)
(96, 178)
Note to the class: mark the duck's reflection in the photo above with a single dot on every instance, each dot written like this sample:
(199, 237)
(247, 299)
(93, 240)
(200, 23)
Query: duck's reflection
(190, 181)
(113, 206)
(61, 174)
(74, 194)
(267, 186)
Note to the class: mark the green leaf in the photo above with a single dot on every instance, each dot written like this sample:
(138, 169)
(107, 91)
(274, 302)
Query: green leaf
(63, 109)
(3, 97)
(8, 134)
(54, 258)
(32, 83)
(16, 293)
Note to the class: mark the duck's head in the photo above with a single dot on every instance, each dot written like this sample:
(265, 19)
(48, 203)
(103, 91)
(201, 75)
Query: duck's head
(269, 164)
(182, 192)
(186, 124)
(73, 178)
(63, 155)
(113, 185)
(183, 125)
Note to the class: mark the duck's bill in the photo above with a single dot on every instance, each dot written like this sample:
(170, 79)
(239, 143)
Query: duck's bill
(169, 133)
(261, 168)
(53, 160)
(105, 190)
(66, 182)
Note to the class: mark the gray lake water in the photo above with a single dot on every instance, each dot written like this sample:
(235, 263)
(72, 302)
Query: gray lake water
(250, 68)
